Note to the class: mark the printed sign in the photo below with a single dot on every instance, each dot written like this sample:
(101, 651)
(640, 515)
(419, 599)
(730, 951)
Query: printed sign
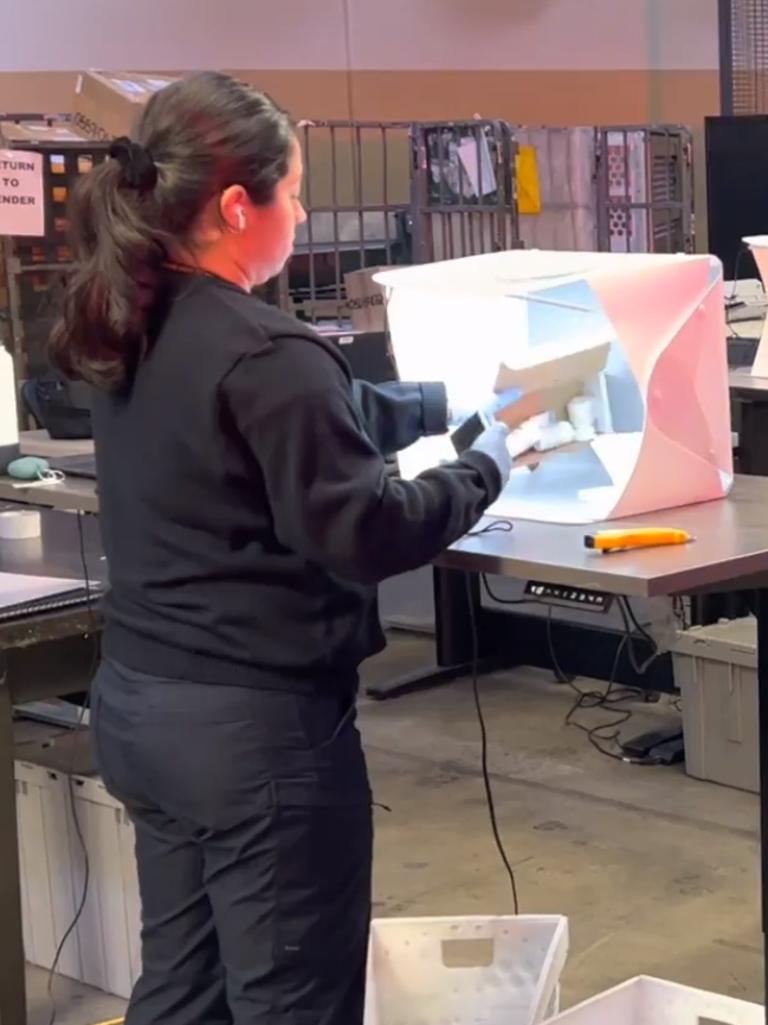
(21, 193)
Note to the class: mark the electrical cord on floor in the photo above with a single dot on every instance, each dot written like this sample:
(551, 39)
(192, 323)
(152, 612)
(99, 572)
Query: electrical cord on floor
(609, 733)
(475, 667)
(71, 783)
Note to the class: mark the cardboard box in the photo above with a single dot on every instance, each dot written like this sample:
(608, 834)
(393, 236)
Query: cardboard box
(107, 103)
(18, 133)
(366, 300)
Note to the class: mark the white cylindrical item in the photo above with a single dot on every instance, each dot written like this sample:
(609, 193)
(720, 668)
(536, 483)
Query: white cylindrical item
(543, 420)
(584, 433)
(555, 437)
(581, 412)
(523, 439)
(19, 524)
(9, 422)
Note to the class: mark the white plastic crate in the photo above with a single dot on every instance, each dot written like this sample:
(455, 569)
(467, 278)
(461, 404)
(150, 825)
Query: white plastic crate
(104, 949)
(465, 971)
(646, 1001)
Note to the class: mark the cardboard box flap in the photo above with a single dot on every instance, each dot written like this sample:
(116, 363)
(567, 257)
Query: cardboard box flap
(20, 133)
(107, 103)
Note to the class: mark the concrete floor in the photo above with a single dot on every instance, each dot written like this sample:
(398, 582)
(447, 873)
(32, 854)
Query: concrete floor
(657, 873)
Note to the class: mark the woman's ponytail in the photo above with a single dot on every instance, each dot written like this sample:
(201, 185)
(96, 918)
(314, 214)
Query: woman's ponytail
(118, 250)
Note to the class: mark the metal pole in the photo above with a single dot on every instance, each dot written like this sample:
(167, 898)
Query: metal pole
(725, 34)
(762, 686)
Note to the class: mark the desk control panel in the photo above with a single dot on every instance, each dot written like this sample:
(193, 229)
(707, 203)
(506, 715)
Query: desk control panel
(568, 597)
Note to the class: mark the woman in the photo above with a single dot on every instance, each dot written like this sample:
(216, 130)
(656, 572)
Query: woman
(247, 518)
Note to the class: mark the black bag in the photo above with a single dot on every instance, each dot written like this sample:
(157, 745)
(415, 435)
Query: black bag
(62, 407)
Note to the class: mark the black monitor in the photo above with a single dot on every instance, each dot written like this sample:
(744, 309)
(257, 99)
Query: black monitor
(737, 188)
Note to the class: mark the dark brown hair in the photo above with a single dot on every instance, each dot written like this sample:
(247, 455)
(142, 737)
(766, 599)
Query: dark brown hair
(195, 138)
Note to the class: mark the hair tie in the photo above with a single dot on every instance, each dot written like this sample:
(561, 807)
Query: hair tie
(138, 167)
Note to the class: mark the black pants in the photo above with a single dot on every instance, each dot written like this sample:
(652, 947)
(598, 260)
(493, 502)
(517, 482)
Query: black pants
(253, 840)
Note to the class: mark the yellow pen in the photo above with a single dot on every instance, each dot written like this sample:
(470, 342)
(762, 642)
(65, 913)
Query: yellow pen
(638, 537)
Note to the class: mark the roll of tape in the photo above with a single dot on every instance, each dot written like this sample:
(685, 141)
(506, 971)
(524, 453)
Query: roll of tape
(19, 524)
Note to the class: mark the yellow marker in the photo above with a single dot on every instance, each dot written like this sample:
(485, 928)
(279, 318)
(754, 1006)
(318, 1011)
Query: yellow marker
(640, 537)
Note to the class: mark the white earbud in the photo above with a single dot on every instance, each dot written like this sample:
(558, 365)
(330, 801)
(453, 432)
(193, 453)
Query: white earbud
(241, 219)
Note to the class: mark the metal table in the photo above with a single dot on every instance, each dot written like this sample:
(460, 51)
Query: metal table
(72, 495)
(730, 553)
(42, 656)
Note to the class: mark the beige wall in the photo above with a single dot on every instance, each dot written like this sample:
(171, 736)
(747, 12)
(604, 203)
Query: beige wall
(368, 34)
(529, 61)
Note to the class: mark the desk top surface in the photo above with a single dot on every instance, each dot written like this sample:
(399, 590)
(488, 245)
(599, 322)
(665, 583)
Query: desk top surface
(72, 495)
(742, 382)
(731, 549)
(40, 443)
(75, 494)
(56, 553)
(731, 546)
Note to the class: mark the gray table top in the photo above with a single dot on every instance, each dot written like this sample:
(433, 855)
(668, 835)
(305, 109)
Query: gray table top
(40, 443)
(743, 383)
(73, 495)
(730, 550)
(56, 553)
(731, 545)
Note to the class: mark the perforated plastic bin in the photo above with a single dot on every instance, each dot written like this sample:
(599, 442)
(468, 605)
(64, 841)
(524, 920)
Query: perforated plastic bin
(465, 971)
(645, 1001)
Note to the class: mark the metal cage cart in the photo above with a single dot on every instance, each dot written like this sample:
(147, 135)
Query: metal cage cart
(743, 39)
(389, 193)
(33, 268)
(611, 189)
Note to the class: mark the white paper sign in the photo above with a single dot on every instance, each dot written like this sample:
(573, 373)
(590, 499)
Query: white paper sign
(22, 211)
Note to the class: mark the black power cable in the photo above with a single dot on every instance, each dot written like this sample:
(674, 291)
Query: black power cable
(475, 665)
(71, 783)
(611, 698)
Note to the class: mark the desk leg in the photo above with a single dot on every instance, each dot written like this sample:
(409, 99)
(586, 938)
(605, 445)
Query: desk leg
(13, 1000)
(453, 641)
(762, 685)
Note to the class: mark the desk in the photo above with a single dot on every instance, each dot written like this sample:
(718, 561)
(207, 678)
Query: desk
(731, 553)
(72, 495)
(44, 656)
(75, 494)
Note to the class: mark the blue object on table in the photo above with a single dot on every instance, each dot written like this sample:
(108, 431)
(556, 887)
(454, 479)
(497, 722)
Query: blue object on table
(28, 468)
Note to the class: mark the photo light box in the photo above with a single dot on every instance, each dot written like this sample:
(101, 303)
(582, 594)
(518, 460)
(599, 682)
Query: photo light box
(642, 336)
(758, 245)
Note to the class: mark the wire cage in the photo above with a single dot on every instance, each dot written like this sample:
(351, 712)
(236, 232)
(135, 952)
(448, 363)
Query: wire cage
(610, 189)
(33, 269)
(390, 193)
(645, 189)
(743, 56)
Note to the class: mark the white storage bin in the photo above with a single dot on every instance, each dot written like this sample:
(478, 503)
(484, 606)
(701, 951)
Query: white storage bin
(645, 1001)
(716, 671)
(465, 971)
(104, 949)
